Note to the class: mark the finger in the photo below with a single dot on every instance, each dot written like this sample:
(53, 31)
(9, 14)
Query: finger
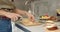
(32, 18)
(18, 15)
(12, 19)
(15, 18)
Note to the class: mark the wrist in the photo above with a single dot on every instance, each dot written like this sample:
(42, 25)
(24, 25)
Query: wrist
(26, 13)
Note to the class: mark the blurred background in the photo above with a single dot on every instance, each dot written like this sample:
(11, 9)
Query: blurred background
(38, 7)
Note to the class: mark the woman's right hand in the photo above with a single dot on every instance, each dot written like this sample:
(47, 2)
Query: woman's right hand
(12, 16)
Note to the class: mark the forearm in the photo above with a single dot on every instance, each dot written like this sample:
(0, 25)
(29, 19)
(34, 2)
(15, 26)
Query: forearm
(21, 12)
(2, 12)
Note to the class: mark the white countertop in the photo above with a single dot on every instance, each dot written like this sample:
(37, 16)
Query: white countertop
(39, 28)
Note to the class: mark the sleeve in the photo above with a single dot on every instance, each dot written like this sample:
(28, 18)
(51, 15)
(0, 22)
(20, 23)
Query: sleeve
(6, 4)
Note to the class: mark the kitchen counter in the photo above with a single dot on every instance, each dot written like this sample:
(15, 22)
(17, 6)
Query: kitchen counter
(39, 28)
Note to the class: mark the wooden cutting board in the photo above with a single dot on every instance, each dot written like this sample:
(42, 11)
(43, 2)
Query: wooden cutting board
(31, 24)
(28, 22)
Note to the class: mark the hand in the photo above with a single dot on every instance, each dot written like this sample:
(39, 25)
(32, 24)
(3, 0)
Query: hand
(31, 17)
(12, 16)
(22, 12)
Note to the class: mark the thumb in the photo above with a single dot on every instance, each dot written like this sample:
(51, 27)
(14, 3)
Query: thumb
(19, 17)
